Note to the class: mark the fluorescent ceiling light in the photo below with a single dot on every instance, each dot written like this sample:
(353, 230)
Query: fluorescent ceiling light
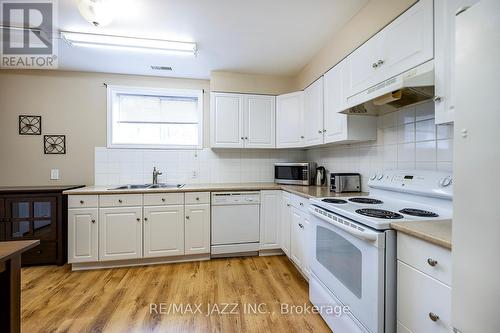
(131, 43)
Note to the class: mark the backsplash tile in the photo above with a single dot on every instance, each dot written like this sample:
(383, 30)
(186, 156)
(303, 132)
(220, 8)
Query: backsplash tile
(406, 139)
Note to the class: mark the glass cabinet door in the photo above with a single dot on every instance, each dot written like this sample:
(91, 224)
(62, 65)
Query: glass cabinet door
(31, 218)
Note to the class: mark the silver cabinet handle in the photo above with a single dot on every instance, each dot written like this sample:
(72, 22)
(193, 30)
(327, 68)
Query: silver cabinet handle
(438, 98)
(374, 65)
(163, 199)
(432, 262)
(461, 10)
(301, 226)
(120, 200)
(380, 62)
(324, 131)
(433, 316)
(145, 219)
(288, 205)
(320, 131)
(93, 221)
(187, 217)
(138, 219)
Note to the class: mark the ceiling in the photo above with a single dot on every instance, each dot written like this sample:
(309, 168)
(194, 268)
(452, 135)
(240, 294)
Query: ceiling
(276, 37)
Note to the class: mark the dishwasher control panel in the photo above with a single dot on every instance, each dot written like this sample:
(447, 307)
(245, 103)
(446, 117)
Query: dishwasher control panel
(235, 198)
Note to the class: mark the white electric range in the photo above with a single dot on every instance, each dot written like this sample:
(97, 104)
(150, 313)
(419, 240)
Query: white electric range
(353, 249)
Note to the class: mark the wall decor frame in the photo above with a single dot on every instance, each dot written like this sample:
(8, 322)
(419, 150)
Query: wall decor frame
(54, 144)
(30, 125)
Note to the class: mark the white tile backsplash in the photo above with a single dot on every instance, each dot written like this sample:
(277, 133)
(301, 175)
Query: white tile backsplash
(406, 139)
(135, 166)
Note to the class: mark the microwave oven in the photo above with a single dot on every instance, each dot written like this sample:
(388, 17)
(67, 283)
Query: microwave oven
(301, 173)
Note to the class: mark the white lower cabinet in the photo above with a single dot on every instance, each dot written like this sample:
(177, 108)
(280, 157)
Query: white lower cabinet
(163, 231)
(296, 212)
(270, 220)
(286, 217)
(423, 299)
(197, 229)
(82, 235)
(120, 233)
(296, 239)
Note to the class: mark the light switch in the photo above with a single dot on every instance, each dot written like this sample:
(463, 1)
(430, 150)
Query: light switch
(54, 174)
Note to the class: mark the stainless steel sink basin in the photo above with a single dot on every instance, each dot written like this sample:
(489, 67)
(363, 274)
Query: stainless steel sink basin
(146, 186)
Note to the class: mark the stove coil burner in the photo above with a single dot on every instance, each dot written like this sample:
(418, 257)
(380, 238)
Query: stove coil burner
(368, 201)
(418, 212)
(379, 213)
(334, 201)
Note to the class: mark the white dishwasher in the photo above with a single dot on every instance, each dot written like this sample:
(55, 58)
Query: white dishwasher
(235, 223)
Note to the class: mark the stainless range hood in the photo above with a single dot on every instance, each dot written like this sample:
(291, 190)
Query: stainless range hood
(413, 86)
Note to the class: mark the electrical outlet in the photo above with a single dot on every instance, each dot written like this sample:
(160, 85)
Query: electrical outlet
(54, 174)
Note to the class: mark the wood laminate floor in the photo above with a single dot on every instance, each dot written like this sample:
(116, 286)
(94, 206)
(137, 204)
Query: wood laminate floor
(55, 299)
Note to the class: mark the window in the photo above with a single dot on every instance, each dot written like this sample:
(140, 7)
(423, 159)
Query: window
(154, 118)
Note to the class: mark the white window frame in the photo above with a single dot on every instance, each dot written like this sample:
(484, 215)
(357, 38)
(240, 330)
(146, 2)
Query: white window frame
(112, 90)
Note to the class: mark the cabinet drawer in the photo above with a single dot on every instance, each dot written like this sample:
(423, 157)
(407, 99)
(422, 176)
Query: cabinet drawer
(45, 253)
(299, 202)
(82, 201)
(117, 200)
(418, 298)
(197, 198)
(160, 199)
(426, 257)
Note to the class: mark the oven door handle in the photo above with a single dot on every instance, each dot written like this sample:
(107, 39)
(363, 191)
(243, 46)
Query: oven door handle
(366, 234)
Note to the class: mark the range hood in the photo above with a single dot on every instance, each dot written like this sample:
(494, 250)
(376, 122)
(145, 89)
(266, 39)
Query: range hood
(411, 87)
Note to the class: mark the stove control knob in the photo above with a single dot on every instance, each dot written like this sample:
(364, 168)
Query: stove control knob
(380, 176)
(446, 181)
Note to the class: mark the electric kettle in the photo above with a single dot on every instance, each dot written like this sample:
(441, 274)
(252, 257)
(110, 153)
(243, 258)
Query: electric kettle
(320, 176)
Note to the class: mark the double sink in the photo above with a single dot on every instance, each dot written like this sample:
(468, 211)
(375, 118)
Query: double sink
(147, 186)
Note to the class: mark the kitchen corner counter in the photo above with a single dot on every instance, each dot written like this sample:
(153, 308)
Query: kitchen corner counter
(304, 191)
(436, 232)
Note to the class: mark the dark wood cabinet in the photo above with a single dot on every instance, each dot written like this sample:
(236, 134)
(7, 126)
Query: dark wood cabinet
(36, 213)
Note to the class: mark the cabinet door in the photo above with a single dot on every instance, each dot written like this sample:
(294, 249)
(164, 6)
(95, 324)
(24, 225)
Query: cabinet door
(31, 218)
(259, 118)
(120, 233)
(83, 235)
(269, 219)
(335, 122)
(226, 120)
(289, 120)
(296, 245)
(408, 41)
(306, 230)
(163, 231)
(197, 229)
(444, 57)
(313, 108)
(2, 217)
(286, 220)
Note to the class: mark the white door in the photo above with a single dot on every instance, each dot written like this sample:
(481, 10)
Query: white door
(290, 120)
(197, 229)
(120, 233)
(408, 41)
(296, 241)
(286, 217)
(269, 219)
(163, 231)
(82, 235)
(444, 57)
(259, 118)
(335, 122)
(313, 113)
(226, 120)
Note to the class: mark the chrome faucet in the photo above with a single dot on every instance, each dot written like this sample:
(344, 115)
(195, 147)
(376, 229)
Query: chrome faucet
(156, 173)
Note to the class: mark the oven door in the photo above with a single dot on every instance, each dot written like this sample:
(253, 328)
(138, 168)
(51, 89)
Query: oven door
(298, 174)
(348, 258)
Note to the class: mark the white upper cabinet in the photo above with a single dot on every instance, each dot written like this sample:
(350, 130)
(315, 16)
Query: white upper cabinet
(242, 121)
(290, 120)
(339, 127)
(405, 43)
(313, 113)
(444, 57)
(259, 121)
(226, 119)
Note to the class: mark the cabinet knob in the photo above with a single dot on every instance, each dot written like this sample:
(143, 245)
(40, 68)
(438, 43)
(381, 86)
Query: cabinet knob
(301, 226)
(93, 221)
(242, 138)
(82, 202)
(120, 200)
(374, 65)
(438, 99)
(380, 62)
(288, 205)
(146, 219)
(301, 203)
(138, 220)
(197, 198)
(39, 252)
(301, 136)
(187, 217)
(432, 262)
(324, 131)
(163, 199)
(246, 137)
(433, 316)
(320, 131)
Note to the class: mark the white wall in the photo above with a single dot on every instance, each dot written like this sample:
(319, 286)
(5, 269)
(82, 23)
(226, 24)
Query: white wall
(133, 166)
(407, 138)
